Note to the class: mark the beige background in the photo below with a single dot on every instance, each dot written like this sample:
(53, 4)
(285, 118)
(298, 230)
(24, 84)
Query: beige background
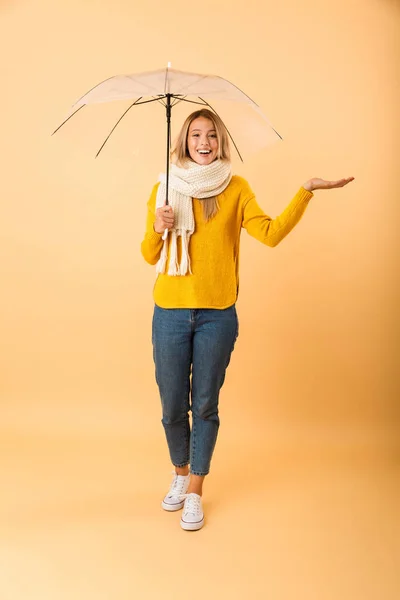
(302, 498)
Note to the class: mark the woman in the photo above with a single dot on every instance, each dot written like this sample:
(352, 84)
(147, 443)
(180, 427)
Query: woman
(195, 324)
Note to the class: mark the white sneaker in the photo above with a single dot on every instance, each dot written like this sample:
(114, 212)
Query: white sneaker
(175, 499)
(192, 516)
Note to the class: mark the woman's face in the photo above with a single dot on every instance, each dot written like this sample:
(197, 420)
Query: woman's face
(202, 141)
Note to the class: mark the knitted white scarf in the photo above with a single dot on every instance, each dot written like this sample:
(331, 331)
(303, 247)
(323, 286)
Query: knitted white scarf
(185, 183)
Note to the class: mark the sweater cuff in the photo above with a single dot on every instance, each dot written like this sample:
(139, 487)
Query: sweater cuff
(305, 194)
(154, 236)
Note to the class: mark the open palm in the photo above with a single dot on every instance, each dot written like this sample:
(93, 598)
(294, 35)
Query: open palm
(321, 184)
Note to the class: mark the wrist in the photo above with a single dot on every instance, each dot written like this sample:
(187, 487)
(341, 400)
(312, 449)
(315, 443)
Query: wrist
(308, 186)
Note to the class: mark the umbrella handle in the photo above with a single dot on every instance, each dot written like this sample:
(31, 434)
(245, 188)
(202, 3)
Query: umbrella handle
(165, 235)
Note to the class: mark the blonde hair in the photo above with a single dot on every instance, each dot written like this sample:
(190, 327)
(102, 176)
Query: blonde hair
(180, 151)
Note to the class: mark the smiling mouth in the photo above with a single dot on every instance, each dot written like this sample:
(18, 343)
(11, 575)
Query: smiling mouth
(205, 152)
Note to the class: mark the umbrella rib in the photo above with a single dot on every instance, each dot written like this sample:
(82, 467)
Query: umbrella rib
(160, 99)
(145, 101)
(276, 131)
(94, 87)
(177, 100)
(136, 103)
(194, 102)
(238, 88)
(74, 113)
(233, 141)
(200, 78)
(134, 78)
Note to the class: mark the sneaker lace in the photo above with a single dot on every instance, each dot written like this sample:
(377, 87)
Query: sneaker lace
(192, 503)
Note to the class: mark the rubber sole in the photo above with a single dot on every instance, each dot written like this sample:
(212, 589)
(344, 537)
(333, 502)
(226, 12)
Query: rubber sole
(192, 526)
(172, 507)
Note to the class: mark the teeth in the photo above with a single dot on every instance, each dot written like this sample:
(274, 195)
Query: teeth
(204, 151)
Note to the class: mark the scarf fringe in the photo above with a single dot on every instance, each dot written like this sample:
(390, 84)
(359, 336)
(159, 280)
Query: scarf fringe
(173, 258)
(160, 268)
(175, 268)
(185, 258)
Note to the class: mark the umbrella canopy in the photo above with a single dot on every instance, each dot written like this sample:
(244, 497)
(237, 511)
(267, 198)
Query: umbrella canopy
(247, 126)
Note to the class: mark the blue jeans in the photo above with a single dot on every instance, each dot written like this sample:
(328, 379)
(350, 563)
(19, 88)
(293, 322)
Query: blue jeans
(191, 350)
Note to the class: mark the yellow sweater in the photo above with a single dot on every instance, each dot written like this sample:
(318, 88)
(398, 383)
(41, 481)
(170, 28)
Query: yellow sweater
(214, 246)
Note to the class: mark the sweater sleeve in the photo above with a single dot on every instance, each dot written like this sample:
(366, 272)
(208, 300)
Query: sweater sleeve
(152, 243)
(272, 231)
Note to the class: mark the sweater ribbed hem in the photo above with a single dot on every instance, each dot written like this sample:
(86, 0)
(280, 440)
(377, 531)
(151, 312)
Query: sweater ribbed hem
(194, 306)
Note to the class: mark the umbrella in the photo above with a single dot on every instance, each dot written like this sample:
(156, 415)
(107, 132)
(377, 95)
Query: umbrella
(169, 87)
